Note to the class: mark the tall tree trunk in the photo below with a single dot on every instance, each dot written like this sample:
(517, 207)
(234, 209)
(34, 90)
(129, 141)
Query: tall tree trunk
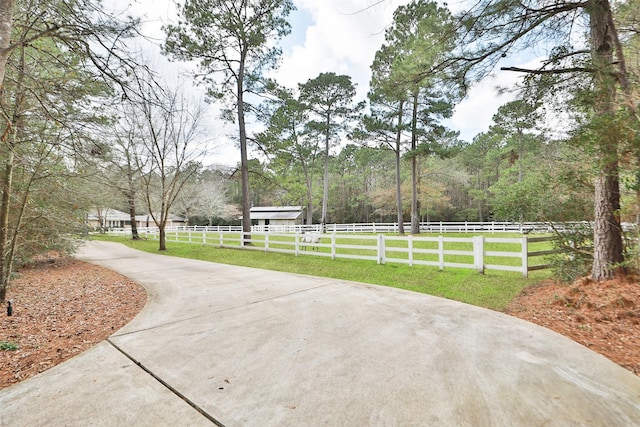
(163, 238)
(325, 181)
(132, 215)
(520, 172)
(4, 223)
(6, 25)
(309, 181)
(244, 160)
(11, 255)
(415, 214)
(309, 203)
(607, 232)
(162, 224)
(398, 183)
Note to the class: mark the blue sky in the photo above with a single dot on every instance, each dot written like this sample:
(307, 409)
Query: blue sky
(338, 36)
(343, 35)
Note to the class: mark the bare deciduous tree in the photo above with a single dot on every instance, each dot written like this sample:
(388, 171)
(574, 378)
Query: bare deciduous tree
(170, 127)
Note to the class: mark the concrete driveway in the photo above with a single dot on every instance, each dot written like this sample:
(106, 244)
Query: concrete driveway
(233, 346)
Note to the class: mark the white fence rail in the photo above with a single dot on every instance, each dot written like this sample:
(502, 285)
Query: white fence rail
(392, 227)
(478, 252)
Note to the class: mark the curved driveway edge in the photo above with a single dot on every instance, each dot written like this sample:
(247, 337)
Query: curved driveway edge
(235, 346)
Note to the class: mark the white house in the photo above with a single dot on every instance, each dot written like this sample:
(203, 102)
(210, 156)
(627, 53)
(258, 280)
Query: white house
(108, 218)
(113, 218)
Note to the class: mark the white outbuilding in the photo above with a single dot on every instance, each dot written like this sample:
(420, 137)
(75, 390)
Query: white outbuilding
(277, 215)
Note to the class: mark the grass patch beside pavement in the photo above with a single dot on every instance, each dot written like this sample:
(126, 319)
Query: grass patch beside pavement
(494, 289)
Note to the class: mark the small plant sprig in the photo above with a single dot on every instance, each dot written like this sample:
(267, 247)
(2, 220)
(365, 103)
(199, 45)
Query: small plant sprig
(8, 345)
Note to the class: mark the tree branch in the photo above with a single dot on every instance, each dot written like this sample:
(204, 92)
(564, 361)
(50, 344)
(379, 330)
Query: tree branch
(554, 71)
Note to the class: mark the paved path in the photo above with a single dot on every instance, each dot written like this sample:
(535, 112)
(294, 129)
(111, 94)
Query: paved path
(233, 346)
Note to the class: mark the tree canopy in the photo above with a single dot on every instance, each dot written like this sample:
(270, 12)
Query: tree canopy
(233, 44)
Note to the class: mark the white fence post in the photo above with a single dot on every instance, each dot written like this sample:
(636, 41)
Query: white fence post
(525, 256)
(297, 244)
(266, 242)
(333, 246)
(441, 252)
(572, 254)
(382, 257)
(410, 249)
(221, 238)
(478, 253)
(204, 237)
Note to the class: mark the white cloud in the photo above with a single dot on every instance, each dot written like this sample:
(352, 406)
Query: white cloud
(473, 115)
(338, 36)
(342, 37)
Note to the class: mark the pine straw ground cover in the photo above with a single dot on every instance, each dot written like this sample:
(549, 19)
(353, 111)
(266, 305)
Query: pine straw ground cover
(61, 308)
(64, 306)
(603, 316)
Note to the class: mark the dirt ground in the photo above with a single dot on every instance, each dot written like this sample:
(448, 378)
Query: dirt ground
(61, 307)
(603, 316)
(64, 306)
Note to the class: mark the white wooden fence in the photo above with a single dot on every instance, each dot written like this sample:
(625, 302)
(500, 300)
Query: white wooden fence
(478, 252)
(392, 227)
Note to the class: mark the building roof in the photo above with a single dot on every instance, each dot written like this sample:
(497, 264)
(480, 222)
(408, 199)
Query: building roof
(276, 209)
(276, 212)
(108, 214)
(171, 217)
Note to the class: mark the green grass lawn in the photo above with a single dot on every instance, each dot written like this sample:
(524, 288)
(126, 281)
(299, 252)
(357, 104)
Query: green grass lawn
(493, 290)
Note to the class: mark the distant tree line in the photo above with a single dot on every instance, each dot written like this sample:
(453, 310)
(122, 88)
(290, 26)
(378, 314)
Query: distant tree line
(86, 122)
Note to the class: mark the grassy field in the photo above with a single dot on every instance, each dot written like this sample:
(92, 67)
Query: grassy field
(493, 290)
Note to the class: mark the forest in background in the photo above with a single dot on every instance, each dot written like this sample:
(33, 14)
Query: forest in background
(87, 123)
